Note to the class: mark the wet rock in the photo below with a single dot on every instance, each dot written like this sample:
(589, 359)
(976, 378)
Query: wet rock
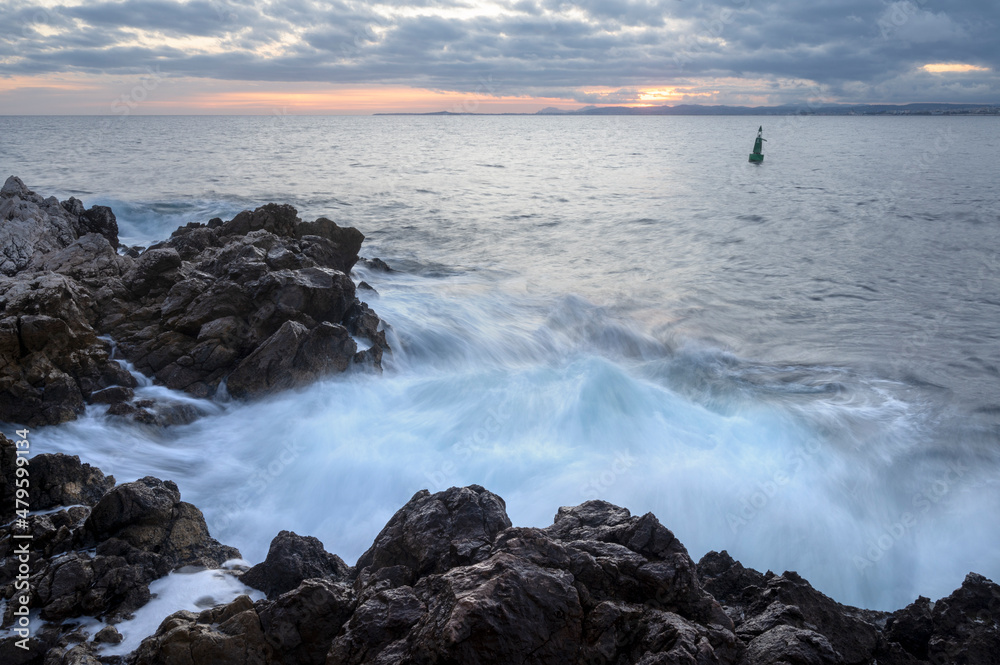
(228, 635)
(784, 645)
(377, 265)
(62, 480)
(962, 628)
(112, 395)
(148, 515)
(108, 635)
(101, 220)
(50, 357)
(665, 572)
(734, 586)
(300, 625)
(291, 559)
(293, 356)
(433, 533)
(278, 219)
(151, 271)
(187, 311)
(790, 601)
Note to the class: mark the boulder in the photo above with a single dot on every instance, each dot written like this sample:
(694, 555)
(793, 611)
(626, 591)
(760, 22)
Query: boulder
(434, 533)
(293, 356)
(148, 515)
(291, 559)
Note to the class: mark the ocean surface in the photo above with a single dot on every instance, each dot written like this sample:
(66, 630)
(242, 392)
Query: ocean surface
(798, 362)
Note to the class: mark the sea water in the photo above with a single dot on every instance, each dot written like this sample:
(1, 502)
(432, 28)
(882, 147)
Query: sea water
(797, 361)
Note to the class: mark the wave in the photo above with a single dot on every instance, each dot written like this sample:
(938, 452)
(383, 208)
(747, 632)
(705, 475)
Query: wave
(551, 401)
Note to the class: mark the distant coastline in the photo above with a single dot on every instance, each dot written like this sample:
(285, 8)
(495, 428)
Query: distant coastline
(788, 109)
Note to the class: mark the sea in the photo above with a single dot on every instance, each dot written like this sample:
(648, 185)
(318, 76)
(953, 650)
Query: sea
(797, 361)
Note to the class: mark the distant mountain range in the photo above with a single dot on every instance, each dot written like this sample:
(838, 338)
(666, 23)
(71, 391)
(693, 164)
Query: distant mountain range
(788, 109)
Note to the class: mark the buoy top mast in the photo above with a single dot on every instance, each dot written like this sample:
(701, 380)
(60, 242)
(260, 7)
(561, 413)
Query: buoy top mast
(757, 155)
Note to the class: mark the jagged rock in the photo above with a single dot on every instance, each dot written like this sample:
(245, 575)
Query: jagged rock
(187, 311)
(100, 561)
(912, 627)
(151, 270)
(787, 645)
(450, 581)
(108, 635)
(665, 573)
(961, 628)
(851, 631)
(300, 625)
(112, 395)
(100, 219)
(433, 533)
(56, 480)
(290, 560)
(50, 357)
(293, 356)
(376, 264)
(149, 516)
(29, 227)
(227, 635)
(62, 480)
(278, 219)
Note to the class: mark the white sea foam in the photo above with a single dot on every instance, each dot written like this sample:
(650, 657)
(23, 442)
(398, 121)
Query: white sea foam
(788, 467)
(192, 590)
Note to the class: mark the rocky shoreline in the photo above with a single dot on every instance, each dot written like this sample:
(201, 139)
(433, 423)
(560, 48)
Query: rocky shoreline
(259, 303)
(264, 302)
(448, 580)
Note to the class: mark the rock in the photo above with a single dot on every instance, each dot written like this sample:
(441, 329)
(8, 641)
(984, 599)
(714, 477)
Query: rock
(376, 265)
(31, 227)
(300, 625)
(308, 296)
(228, 635)
(730, 583)
(150, 271)
(187, 311)
(50, 357)
(449, 580)
(666, 574)
(790, 601)
(62, 480)
(345, 242)
(91, 257)
(966, 624)
(292, 559)
(14, 186)
(293, 356)
(785, 645)
(100, 219)
(433, 533)
(278, 219)
(112, 395)
(148, 515)
(108, 635)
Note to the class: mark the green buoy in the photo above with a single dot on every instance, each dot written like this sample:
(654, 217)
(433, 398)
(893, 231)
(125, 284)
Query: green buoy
(757, 156)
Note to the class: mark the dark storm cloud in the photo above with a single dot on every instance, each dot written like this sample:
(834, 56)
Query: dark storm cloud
(851, 48)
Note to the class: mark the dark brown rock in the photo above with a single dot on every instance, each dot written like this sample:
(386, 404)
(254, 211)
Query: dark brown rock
(148, 515)
(187, 311)
(291, 559)
(433, 533)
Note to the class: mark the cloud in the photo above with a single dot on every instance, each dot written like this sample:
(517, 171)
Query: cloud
(853, 50)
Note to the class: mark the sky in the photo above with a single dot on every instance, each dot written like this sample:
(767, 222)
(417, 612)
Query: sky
(308, 56)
